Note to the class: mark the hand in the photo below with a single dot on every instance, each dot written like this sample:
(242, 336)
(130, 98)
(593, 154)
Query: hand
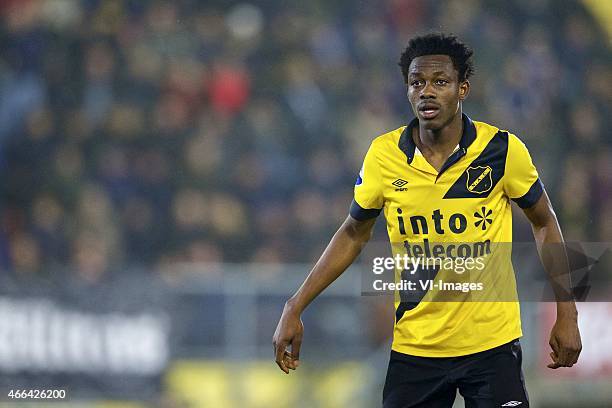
(565, 343)
(289, 331)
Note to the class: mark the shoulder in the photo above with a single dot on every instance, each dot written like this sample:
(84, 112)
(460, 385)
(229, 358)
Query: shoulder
(488, 131)
(388, 140)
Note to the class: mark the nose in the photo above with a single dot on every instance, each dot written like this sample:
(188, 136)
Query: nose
(427, 92)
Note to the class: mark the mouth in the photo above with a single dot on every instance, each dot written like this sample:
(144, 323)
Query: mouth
(429, 111)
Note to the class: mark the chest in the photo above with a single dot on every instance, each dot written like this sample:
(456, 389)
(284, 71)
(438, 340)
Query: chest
(464, 199)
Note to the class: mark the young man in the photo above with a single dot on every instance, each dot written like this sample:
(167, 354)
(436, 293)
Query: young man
(445, 178)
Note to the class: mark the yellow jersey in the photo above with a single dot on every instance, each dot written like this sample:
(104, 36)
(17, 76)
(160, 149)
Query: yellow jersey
(465, 207)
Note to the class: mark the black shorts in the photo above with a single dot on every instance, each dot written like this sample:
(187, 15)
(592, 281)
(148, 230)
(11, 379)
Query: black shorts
(491, 378)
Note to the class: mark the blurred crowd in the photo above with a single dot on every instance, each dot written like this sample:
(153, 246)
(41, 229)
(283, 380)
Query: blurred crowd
(152, 133)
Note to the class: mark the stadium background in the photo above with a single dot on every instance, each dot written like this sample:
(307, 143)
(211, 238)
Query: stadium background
(171, 169)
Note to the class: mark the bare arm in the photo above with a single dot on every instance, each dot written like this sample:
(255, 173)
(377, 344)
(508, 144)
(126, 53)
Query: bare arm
(340, 253)
(565, 336)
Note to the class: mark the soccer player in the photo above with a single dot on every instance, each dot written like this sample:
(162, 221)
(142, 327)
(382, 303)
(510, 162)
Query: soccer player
(446, 178)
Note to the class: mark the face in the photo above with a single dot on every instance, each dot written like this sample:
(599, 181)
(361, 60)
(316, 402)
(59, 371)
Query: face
(434, 90)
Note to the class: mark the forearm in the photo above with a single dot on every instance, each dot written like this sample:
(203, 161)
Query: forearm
(564, 336)
(553, 254)
(341, 251)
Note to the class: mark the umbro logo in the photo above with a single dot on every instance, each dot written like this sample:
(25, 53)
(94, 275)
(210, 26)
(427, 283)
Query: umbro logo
(400, 183)
(512, 404)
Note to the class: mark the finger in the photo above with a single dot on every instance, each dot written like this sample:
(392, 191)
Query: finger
(295, 348)
(281, 364)
(563, 358)
(289, 361)
(569, 355)
(280, 356)
(572, 355)
(554, 345)
(554, 364)
(553, 356)
(576, 356)
(575, 352)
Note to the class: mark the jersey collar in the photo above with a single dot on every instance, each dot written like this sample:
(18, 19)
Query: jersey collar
(407, 145)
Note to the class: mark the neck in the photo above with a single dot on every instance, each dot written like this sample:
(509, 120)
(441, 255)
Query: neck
(447, 137)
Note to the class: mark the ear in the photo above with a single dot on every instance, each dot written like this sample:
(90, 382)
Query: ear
(464, 90)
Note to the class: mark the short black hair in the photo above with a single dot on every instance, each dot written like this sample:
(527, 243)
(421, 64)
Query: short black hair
(439, 44)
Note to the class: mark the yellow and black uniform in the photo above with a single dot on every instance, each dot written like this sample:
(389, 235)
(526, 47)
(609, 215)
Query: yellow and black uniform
(466, 203)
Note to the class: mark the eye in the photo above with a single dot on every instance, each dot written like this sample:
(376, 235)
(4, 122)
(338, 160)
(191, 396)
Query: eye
(441, 82)
(416, 82)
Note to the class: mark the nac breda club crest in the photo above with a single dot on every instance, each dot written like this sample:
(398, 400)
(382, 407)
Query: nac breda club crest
(483, 174)
(479, 179)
